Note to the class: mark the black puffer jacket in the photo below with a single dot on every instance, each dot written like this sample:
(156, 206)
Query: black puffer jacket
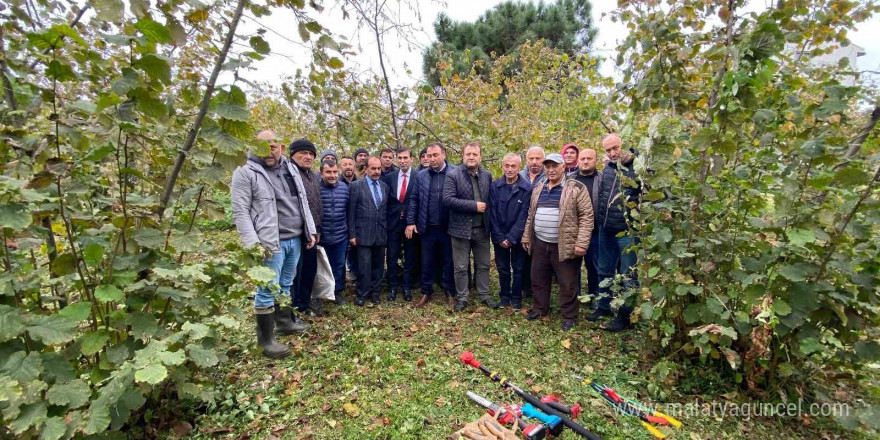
(611, 207)
(458, 197)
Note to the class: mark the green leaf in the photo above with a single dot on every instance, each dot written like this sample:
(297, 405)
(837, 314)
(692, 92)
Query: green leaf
(781, 307)
(201, 356)
(232, 111)
(64, 265)
(261, 275)
(149, 104)
(797, 271)
(664, 235)
(23, 367)
(52, 329)
(93, 253)
(77, 311)
(31, 415)
(149, 238)
(178, 33)
(139, 7)
(764, 116)
(314, 27)
(109, 293)
(196, 331)
(155, 67)
(153, 30)
(185, 242)
(867, 351)
(811, 345)
(124, 84)
(335, 63)
(151, 374)
(11, 323)
(259, 44)
(14, 216)
(800, 236)
(94, 341)
(303, 32)
(108, 10)
(99, 417)
(851, 176)
(53, 429)
(172, 358)
(652, 272)
(73, 394)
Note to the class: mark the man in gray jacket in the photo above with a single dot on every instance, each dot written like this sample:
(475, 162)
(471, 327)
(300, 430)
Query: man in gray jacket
(466, 195)
(270, 211)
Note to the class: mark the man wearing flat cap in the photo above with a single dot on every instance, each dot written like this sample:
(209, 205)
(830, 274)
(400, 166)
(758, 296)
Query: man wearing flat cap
(557, 236)
(302, 153)
(269, 212)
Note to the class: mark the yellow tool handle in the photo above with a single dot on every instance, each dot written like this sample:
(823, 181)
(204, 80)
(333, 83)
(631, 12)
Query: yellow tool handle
(672, 421)
(654, 431)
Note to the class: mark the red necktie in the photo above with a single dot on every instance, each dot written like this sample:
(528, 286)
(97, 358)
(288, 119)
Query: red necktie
(403, 189)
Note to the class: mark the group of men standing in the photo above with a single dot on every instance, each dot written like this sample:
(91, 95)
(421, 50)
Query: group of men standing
(543, 221)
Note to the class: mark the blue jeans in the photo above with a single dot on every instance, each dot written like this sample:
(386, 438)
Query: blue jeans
(511, 264)
(284, 264)
(336, 256)
(616, 254)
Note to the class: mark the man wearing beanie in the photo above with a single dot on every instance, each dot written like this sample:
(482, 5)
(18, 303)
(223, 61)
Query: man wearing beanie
(360, 161)
(277, 227)
(328, 153)
(302, 153)
(570, 156)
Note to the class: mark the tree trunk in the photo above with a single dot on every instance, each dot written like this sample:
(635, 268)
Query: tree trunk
(203, 110)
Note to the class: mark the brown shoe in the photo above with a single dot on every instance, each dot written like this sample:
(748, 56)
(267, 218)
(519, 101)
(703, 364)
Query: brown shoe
(423, 301)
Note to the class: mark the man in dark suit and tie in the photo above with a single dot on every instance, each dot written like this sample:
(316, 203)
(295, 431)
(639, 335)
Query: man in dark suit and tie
(368, 229)
(401, 185)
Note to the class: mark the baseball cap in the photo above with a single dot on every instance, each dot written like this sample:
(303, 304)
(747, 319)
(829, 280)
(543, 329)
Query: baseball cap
(554, 157)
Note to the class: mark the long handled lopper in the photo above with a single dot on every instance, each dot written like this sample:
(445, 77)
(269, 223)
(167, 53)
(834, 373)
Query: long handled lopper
(632, 408)
(468, 359)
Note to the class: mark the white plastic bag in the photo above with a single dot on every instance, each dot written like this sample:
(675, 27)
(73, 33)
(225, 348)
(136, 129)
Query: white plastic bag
(325, 284)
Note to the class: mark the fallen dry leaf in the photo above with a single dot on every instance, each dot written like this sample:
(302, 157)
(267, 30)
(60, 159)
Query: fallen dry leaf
(566, 343)
(351, 409)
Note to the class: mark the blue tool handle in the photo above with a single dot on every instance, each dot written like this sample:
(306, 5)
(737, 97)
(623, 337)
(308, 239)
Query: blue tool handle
(530, 411)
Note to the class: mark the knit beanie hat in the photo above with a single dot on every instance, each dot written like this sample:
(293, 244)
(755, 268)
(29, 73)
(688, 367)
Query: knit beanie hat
(303, 145)
(328, 153)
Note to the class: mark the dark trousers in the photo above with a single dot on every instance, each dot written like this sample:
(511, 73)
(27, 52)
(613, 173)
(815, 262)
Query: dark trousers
(336, 256)
(436, 258)
(398, 244)
(306, 270)
(616, 254)
(371, 262)
(591, 262)
(351, 258)
(545, 264)
(511, 263)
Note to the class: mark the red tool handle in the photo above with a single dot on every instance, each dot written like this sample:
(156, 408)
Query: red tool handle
(469, 359)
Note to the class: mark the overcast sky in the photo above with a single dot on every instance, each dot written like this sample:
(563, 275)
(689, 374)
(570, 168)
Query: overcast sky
(404, 60)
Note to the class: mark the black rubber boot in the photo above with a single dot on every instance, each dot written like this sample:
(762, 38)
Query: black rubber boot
(286, 323)
(266, 336)
(621, 321)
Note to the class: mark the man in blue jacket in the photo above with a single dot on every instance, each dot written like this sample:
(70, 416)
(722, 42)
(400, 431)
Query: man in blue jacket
(509, 199)
(334, 229)
(427, 217)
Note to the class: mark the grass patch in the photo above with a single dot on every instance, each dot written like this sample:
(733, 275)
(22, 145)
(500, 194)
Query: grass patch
(392, 372)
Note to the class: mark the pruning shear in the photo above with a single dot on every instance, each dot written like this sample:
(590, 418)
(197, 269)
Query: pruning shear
(632, 408)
